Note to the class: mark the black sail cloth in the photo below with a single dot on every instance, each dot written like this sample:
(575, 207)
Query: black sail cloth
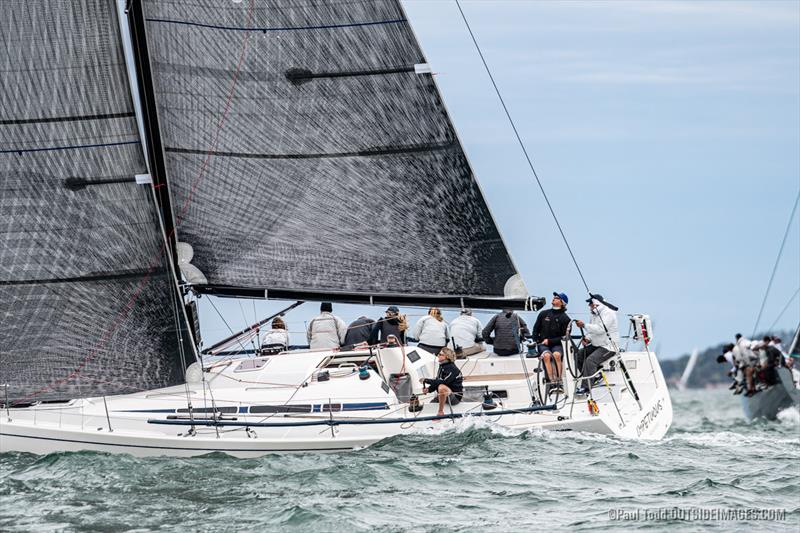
(85, 290)
(313, 155)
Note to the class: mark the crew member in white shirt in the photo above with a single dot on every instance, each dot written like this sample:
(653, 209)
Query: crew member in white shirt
(326, 331)
(466, 331)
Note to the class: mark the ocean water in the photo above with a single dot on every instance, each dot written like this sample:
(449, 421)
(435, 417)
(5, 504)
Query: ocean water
(470, 478)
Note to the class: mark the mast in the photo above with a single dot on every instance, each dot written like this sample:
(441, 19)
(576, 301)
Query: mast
(141, 82)
(152, 132)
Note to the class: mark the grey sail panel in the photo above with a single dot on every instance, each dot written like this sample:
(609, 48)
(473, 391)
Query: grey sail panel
(85, 290)
(305, 152)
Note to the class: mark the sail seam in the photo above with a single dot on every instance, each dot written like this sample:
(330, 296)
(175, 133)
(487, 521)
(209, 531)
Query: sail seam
(432, 147)
(50, 120)
(284, 28)
(78, 279)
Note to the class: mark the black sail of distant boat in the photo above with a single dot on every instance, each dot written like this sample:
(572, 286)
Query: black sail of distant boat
(86, 294)
(309, 154)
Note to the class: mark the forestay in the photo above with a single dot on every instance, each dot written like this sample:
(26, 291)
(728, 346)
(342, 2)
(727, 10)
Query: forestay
(85, 291)
(309, 153)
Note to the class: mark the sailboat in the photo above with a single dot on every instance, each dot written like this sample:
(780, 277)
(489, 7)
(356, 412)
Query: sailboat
(687, 372)
(152, 152)
(781, 394)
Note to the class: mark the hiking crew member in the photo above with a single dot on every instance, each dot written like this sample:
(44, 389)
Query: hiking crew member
(746, 360)
(466, 331)
(431, 331)
(358, 332)
(275, 340)
(548, 330)
(448, 384)
(509, 329)
(326, 331)
(392, 324)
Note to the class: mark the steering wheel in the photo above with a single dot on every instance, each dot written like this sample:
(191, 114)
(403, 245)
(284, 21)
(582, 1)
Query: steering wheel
(571, 362)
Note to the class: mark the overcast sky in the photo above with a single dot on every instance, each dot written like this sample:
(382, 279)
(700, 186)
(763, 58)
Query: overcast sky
(667, 135)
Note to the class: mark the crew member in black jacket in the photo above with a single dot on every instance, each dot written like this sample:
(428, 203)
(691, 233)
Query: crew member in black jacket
(550, 327)
(449, 381)
(393, 324)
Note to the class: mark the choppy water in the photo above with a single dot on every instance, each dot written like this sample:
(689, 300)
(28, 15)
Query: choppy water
(467, 479)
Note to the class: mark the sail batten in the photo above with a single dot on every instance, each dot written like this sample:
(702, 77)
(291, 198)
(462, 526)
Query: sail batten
(47, 120)
(264, 29)
(370, 152)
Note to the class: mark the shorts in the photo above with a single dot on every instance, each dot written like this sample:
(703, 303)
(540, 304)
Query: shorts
(453, 399)
(543, 348)
(430, 349)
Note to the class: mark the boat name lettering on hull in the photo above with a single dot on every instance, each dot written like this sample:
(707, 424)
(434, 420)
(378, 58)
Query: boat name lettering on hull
(648, 418)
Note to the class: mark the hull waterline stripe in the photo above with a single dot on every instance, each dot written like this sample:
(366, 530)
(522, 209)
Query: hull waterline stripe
(317, 408)
(176, 447)
(279, 28)
(344, 422)
(168, 411)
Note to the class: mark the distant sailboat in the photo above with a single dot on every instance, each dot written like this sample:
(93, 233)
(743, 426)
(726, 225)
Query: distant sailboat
(155, 151)
(687, 372)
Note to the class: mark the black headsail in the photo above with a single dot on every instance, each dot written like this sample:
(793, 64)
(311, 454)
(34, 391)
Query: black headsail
(310, 156)
(86, 294)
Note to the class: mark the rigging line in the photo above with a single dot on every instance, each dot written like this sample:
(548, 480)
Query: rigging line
(255, 332)
(780, 315)
(224, 321)
(777, 261)
(522, 145)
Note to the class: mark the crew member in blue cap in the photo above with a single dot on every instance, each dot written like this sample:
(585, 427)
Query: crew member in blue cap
(550, 327)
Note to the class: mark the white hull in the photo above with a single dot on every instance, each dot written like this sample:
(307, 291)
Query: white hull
(340, 413)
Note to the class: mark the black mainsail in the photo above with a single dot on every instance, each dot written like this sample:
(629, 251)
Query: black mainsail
(87, 299)
(314, 158)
